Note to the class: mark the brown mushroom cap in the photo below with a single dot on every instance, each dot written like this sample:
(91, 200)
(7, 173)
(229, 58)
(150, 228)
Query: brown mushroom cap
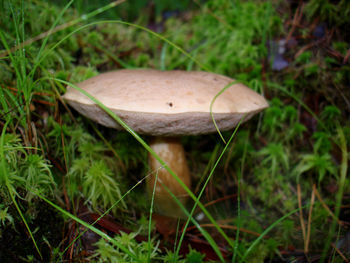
(166, 103)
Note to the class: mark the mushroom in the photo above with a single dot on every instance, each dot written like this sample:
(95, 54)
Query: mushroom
(166, 105)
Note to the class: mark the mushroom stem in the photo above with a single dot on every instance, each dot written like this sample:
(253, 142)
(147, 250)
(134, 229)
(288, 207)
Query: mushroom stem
(171, 151)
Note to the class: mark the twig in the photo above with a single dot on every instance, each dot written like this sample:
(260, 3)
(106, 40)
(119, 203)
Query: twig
(229, 227)
(327, 208)
(220, 199)
(298, 15)
(308, 46)
(342, 93)
(347, 55)
(309, 220)
(302, 223)
(340, 253)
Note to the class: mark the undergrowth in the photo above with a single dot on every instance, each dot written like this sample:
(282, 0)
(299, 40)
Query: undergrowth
(277, 192)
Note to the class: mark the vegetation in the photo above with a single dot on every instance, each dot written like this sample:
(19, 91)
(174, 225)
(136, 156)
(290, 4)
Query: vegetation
(278, 190)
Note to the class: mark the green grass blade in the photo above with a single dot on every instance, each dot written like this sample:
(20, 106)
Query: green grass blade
(205, 234)
(12, 58)
(150, 219)
(240, 175)
(267, 230)
(163, 56)
(340, 193)
(203, 189)
(211, 108)
(60, 15)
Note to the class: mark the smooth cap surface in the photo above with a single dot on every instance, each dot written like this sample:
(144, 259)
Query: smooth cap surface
(166, 102)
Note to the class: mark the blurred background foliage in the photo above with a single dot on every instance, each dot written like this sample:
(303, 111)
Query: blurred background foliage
(295, 53)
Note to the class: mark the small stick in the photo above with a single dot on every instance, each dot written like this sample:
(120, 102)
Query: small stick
(309, 220)
(302, 223)
(297, 17)
(229, 227)
(327, 208)
(340, 253)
